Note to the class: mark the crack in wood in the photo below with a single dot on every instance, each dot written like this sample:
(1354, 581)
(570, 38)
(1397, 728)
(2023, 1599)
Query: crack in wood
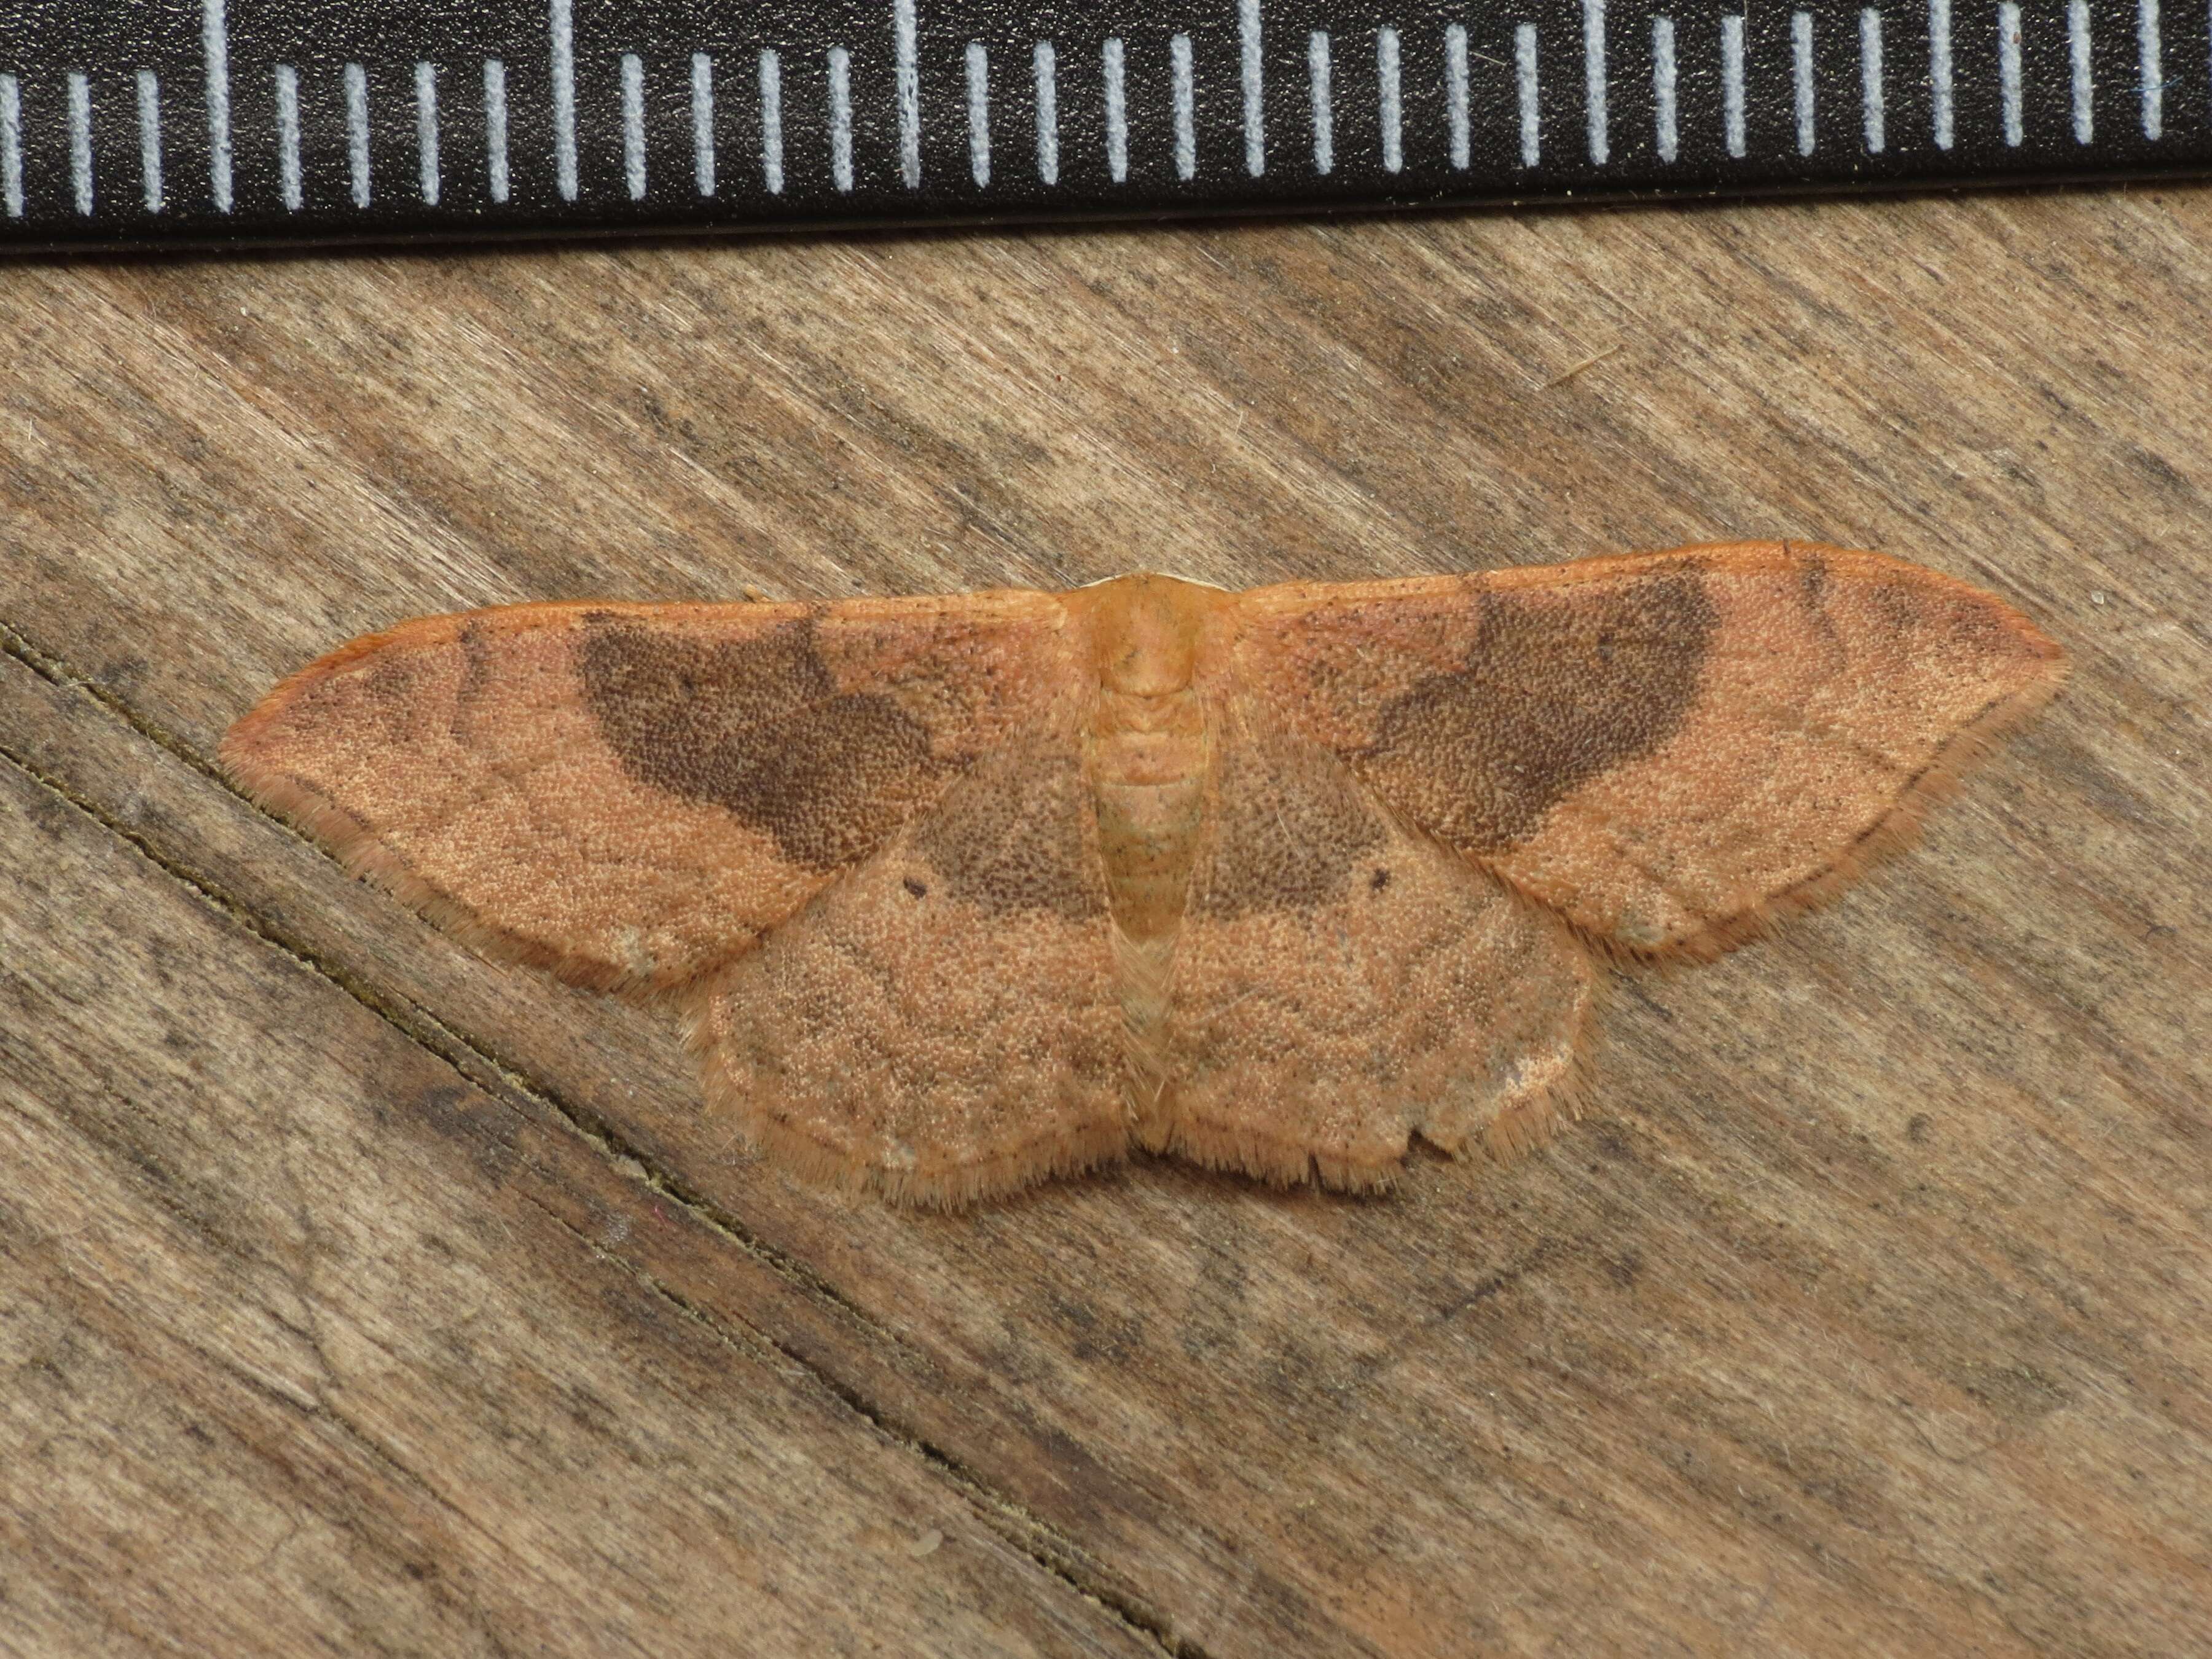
(1033, 1536)
(1035, 1539)
(481, 1062)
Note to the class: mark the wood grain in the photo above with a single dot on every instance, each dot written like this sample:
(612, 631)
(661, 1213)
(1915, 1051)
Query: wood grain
(355, 1292)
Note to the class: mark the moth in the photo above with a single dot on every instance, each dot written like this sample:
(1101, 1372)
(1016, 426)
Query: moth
(962, 892)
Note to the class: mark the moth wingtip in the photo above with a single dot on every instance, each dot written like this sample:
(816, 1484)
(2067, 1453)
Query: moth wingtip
(251, 763)
(1896, 831)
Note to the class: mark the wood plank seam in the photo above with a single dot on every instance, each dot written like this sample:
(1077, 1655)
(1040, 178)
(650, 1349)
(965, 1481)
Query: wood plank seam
(321, 1408)
(476, 1060)
(249, 1267)
(1033, 1536)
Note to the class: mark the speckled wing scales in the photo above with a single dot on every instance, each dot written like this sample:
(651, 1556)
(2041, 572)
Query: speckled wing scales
(944, 1023)
(1342, 983)
(632, 795)
(1669, 749)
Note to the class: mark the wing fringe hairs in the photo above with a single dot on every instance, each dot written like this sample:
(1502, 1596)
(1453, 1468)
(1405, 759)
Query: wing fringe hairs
(1013, 1170)
(959, 894)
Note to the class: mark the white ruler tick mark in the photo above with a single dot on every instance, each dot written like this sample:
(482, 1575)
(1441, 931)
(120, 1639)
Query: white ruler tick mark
(1324, 113)
(702, 123)
(426, 130)
(979, 113)
(2008, 85)
(149, 138)
(561, 29)
(356, 119)
(1524, 75)
(840, 118)
(11, 147)
(1186, 108)
(80, 137)
(1044, 67)
(1801, 51)
(1665, 131)
(1456, 108)
(771, 97)
(2148, 60)
(1870, 107)
(214, 46)
(495, 181)
(1390, 108)
(1939, 71)
(1117, 111)
(1251, 70)
(1732, 83)
(2077, 43)
(1594, 82)
(909, 93)
(288, 138)
(633, 125)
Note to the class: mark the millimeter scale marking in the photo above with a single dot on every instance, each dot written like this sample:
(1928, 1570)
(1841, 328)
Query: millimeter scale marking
(198, 122)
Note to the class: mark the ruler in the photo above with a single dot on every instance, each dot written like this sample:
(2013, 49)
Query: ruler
(141, 123)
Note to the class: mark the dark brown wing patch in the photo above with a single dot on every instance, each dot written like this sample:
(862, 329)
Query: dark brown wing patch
(633, 795)
(1290, 833)
(1003, 854)
(759, 728)
(1557, 687)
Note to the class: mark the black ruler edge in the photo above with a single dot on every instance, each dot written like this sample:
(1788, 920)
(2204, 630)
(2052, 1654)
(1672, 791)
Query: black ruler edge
(138, 126)
(522, 238)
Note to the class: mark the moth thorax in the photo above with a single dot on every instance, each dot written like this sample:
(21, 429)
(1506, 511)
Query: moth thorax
(1146, 631)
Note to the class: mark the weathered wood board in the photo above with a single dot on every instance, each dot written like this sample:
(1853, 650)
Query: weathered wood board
(357, 1295)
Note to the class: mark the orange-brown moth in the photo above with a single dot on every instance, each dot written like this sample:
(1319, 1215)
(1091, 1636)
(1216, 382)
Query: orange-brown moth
(962, 892)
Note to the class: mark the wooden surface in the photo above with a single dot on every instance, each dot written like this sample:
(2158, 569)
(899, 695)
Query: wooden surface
(356, 1295)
